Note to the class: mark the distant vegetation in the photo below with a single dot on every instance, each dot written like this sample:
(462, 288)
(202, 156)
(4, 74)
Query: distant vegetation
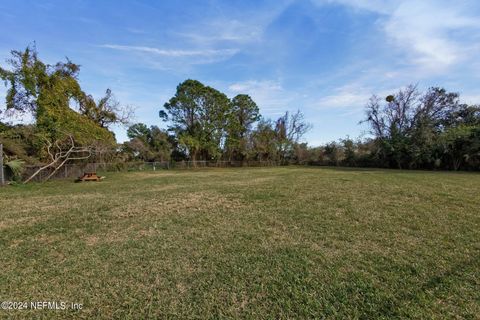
(409, 129)
(414, 130)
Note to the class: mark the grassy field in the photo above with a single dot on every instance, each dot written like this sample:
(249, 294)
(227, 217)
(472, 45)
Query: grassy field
(259, 243)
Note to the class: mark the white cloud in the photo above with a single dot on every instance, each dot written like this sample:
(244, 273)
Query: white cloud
(343, 99)
(425, 27)
(470, 98)
(224, 31)
(434, 35)
(212, 38)
(241, 27)
(174, 53)
(351, 99)
(348, 96)
(379, 6)
(253, 85)
(270, 96)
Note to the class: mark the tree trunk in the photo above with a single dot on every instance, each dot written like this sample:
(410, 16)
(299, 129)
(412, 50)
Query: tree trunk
(194, 158)
(56, 169)
(456, 164)
(40, 170)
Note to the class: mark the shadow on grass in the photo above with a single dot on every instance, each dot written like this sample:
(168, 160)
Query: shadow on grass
(388, 170)
(435, 285)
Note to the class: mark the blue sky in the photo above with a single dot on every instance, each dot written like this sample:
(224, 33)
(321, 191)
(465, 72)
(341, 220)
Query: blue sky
(324, 57)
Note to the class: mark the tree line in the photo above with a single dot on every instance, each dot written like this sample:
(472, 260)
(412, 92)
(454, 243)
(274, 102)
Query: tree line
(408, 129)
(204, 124)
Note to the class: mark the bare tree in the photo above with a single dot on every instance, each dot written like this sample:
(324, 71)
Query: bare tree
(395, 116)
(107, 111)
(60, 154)
(392, 123)
(297, 127)
(289, 129)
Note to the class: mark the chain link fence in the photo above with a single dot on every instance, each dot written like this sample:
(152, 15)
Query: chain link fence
(77, 170)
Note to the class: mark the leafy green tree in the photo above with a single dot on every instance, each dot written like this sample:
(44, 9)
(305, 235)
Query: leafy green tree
(136, 149)
(333, 152)
(349, 157)
(428, 121)
(457, 146)
(138, 130)
(46, 91)
(198, 116)
(159, 143)
(473, 158)
(264, 142)
(302, 154)
(243, 114)
(21, 141)
(148, 144)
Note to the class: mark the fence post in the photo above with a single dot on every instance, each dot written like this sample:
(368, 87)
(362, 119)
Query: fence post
(2, 177)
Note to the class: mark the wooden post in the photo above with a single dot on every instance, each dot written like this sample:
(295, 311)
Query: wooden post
(2, 177)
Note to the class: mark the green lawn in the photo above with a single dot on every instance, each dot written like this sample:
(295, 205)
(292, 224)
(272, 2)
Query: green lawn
(259, 243)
